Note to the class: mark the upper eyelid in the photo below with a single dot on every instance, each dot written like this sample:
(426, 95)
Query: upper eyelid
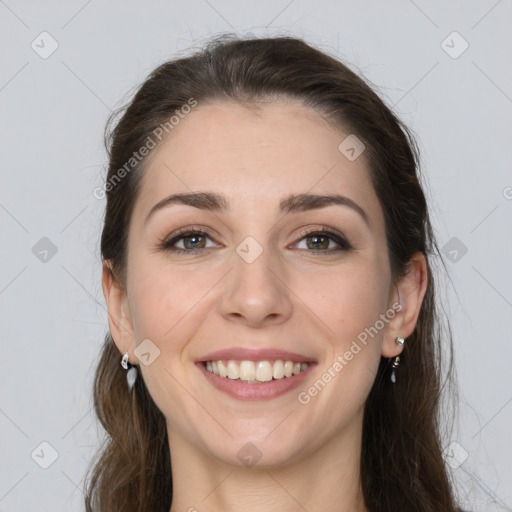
(321, 229)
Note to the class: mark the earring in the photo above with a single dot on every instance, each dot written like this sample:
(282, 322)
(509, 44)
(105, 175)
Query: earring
(396, 361)
(131, 376)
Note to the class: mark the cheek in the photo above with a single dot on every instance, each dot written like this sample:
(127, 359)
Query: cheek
(162, 298)
(347, 300)
(349, 303)
(168, 306)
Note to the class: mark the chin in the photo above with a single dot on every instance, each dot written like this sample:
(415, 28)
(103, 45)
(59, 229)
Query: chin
(277, 450)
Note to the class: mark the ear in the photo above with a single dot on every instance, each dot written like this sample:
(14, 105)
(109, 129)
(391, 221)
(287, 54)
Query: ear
(409, 293)
(119, 318)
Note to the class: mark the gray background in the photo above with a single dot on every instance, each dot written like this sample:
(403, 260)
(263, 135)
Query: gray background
(53, 111)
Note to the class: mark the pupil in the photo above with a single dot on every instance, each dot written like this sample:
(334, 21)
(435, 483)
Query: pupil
(316, 239)
(191, 241)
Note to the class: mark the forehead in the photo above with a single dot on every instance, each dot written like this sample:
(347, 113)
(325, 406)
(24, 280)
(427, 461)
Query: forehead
(255, 156)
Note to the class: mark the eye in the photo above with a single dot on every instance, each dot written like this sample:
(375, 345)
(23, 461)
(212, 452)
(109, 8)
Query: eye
(187, 240)
(193, 240)
(323, 241)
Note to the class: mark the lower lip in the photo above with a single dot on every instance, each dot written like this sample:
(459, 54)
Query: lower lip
(255, 392)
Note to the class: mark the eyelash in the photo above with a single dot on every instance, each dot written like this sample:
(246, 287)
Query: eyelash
(183, 233)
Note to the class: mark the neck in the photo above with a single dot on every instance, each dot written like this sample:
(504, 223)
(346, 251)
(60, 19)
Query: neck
(330, 475)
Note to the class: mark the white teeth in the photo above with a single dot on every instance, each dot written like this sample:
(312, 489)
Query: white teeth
(233, 370)
(260, 371)
(223, 372)
(247, 370)
(263, 371)
(278, 370)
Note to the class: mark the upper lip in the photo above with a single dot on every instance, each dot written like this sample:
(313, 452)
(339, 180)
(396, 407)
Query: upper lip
(248, 354)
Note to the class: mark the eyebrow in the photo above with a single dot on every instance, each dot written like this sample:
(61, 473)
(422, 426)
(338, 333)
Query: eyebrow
(215, 202)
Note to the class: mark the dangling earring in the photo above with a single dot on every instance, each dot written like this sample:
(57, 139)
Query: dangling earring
(131, 376)
(396, 361)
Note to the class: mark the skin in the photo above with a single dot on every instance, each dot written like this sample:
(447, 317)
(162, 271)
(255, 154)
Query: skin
(293, 296)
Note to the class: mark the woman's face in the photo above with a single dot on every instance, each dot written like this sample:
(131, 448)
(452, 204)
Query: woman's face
(277, 276)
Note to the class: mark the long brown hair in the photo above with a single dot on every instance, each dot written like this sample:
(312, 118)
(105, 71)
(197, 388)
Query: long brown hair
(402, 466)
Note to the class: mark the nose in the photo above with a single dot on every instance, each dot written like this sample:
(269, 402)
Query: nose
(256, 293)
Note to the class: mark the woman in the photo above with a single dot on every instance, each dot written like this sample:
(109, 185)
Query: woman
(267, 269)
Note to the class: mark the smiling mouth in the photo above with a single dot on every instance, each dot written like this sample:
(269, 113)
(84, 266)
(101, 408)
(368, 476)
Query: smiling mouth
(255, 372)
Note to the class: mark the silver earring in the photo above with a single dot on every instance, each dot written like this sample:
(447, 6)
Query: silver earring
(396, 361)
(131, 376)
